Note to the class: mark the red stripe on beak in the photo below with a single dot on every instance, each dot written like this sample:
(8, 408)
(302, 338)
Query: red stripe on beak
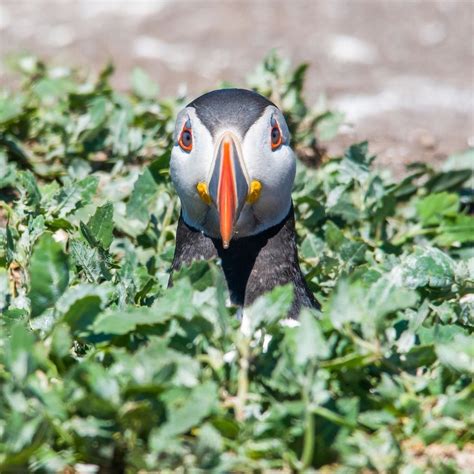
(227, 199)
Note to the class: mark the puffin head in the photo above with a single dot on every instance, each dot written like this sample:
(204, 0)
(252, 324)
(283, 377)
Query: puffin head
(232, 164)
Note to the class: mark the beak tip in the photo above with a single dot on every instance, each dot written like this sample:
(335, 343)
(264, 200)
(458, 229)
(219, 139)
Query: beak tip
(225, 244)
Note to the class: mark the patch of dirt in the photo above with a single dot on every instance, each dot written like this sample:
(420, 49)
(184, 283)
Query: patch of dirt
(434, 454)
(401, 70)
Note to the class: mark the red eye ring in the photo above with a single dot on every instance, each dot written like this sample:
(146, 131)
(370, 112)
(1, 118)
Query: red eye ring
(186, 139)
(276, 138)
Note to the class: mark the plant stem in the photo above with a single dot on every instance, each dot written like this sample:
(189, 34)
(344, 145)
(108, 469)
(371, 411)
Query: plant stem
(333, 417)
(308, 446)
(166, 223)
(243, 379)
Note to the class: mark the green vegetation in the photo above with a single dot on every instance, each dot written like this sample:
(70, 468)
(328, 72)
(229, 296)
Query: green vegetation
(100, 364)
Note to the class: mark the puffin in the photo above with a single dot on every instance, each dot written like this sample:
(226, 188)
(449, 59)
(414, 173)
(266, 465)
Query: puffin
(233, 169)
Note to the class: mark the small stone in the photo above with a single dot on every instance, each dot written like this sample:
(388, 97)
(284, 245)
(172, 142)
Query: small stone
(426, 139)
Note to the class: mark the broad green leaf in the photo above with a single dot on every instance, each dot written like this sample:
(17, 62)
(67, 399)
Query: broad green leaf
(356, 161)
(126, 320)
(61, 340)
(91, 261)
(461, 161)
(28, 183)
(50, 89)
(460, 230)
(176, 302)
(311, 344)
(458, 354)
(101, 224)
(143, 86)
(10, 107)
(144, 192)
(428, 267)
(449, 180)
(267, 309)
(199, 404)
(73, 194)
(329, 124)
(312, 247)
(49, 271)
(347, 304)
(357, 303)
(434, 207)
(19, 353)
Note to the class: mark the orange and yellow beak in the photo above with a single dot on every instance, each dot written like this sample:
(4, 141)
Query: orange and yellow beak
(228, 185)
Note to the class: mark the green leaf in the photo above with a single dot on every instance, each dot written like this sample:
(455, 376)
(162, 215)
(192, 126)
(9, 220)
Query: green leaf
(61, 340)
(268, 308)
(93, 261)
(175, 302)
(460, 230)
(73, 194)
(356, 161)
(448, 181)
(312, 247)
(434, 207)
(428, 267)
(19, 352)
(49, 271)
(101, 224)
(126, 320)
(28, 183)
(82, 311)
(143, 86)
(311, 344)
(461, 161)
(198, 405)
(144, 192)
(354, 302)
(198, 273)
(457, 354)
(10, 107)
(328, 125)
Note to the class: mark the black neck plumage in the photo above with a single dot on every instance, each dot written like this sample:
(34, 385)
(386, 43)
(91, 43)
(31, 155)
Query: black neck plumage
(252, 265)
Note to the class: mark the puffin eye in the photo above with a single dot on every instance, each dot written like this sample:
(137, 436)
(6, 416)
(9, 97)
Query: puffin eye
(276, 137)
(186, 139)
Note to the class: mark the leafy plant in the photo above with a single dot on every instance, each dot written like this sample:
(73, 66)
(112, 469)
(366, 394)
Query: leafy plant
(101, 364)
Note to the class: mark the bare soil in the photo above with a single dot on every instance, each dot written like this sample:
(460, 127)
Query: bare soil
(401, 70)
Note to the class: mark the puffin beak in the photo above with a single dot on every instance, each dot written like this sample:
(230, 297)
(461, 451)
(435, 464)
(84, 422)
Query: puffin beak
(228, 185)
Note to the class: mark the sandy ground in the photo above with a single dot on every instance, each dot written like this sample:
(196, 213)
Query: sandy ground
(401, 70)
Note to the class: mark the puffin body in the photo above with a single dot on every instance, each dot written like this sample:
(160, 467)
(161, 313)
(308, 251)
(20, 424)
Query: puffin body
(233, 169)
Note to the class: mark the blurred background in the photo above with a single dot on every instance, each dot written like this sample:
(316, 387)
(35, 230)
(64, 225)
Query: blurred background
(402, 71)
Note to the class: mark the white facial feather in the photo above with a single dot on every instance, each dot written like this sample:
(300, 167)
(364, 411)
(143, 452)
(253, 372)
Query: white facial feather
(275, 169)
(189, 168)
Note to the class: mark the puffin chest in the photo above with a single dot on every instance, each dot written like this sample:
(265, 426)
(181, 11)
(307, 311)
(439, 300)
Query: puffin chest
(251, 265)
